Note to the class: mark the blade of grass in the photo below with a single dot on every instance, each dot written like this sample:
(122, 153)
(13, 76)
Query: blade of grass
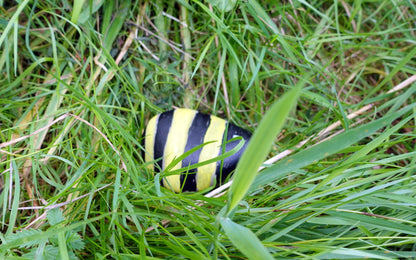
(16, 197)
(187, 44)
(160, 25)
(245, 240)
(63, 250)
(234, 83)
(87, 12)
(202, 55)
(260, 144)
(219, 76)
(15, 48)
(76, 10)
(115, 23)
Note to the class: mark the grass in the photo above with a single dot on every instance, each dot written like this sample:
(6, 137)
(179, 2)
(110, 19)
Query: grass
(77, 86)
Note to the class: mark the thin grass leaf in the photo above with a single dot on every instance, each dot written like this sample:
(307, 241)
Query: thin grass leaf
(219, 76)
(87, 12)
(160, 24)
(260, 145)
(16, 197)
(196, 240)
(255, 69)
(15, 47)
(5, 56)
(293, 226)
(63, 250)
(108, 9)
(187, 64)
(245, 240)
(76, 10)
(202, 55)
(116, 194)
(179, 248)
(234, 84)
(113, 27)
(130, 209)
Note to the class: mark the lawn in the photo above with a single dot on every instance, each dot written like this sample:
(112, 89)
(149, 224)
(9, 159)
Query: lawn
(326, 87)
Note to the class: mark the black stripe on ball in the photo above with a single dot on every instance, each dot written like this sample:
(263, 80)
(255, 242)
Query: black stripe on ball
(162, 130)
(196, 136)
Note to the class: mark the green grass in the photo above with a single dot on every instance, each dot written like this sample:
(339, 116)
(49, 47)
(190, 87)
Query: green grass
(78, 84)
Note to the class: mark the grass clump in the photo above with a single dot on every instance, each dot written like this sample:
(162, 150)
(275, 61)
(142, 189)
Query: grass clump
(79, 80)
(43, 245)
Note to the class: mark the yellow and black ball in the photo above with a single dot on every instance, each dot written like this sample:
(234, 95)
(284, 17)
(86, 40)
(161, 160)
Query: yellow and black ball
(170, 134)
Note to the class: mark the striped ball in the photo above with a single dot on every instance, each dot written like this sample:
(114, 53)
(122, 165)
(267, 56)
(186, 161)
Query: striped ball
(170, 134)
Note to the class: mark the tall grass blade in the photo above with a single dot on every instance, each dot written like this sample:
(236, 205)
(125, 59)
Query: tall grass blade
(114, 26)
(260, 145)
(76, 10)
(16, 198)
(245, 240)
(63, 250)
(87, 12)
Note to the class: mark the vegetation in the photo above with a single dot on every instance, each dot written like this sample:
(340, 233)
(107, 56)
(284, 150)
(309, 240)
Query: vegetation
(327, 87)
